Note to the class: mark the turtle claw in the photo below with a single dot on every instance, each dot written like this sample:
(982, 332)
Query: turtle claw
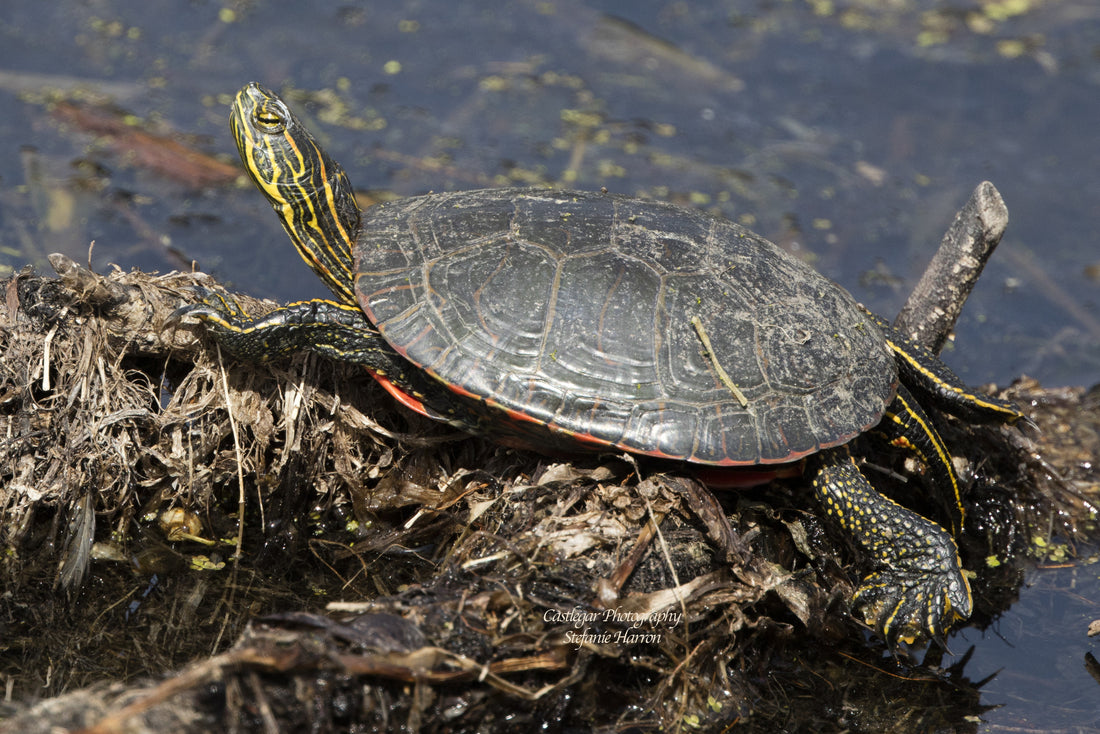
(918, 588)
(329, 328)
(211, 305)
(904, 606)
(231, 325)
(1029, 428)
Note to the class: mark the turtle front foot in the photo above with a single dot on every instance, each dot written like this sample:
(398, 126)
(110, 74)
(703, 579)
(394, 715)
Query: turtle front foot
(230, 325)
(212, 305)
(329, 328)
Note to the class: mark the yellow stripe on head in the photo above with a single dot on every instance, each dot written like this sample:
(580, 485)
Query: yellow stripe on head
(309, 191)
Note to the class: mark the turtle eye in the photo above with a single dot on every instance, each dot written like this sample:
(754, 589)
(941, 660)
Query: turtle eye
(269, 120)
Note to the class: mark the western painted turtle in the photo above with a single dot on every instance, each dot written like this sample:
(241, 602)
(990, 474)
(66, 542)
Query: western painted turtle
(567, 319)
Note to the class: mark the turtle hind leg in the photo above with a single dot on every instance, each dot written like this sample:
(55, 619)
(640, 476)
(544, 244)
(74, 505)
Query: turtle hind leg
(918, 587)
(906, 425)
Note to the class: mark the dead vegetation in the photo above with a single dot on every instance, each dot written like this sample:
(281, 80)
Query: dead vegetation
(191, 542)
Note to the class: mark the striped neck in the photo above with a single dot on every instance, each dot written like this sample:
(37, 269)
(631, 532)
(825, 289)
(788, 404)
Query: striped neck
(309, 191)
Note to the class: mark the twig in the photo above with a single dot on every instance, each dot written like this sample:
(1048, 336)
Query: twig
(929, 315)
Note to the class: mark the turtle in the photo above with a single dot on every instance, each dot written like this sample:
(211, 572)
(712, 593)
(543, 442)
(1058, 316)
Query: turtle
(571, 320)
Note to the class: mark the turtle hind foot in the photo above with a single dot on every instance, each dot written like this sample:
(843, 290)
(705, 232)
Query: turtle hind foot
(908, 606)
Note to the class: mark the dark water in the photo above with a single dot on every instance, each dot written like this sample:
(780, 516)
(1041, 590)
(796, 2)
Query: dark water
(848, 134)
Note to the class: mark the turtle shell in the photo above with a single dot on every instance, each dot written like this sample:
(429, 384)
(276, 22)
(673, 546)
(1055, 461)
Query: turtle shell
(574, 311)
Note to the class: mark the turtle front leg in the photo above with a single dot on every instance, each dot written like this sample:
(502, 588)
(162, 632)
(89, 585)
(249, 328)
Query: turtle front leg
(918, 587)
(329, 328)
(336, 330)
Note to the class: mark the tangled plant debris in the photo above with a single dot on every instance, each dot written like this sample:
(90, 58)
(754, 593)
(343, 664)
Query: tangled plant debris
(190, 540)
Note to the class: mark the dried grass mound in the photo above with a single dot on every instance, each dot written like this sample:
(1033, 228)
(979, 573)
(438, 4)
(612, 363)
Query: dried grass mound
(190, 542)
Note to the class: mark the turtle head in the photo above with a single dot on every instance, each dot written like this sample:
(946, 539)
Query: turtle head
(310, 191)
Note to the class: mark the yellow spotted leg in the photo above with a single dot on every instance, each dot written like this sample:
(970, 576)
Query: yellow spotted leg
(918, 587)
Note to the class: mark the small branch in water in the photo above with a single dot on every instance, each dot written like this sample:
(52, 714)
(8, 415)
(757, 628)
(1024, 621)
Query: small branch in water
(929, 315)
